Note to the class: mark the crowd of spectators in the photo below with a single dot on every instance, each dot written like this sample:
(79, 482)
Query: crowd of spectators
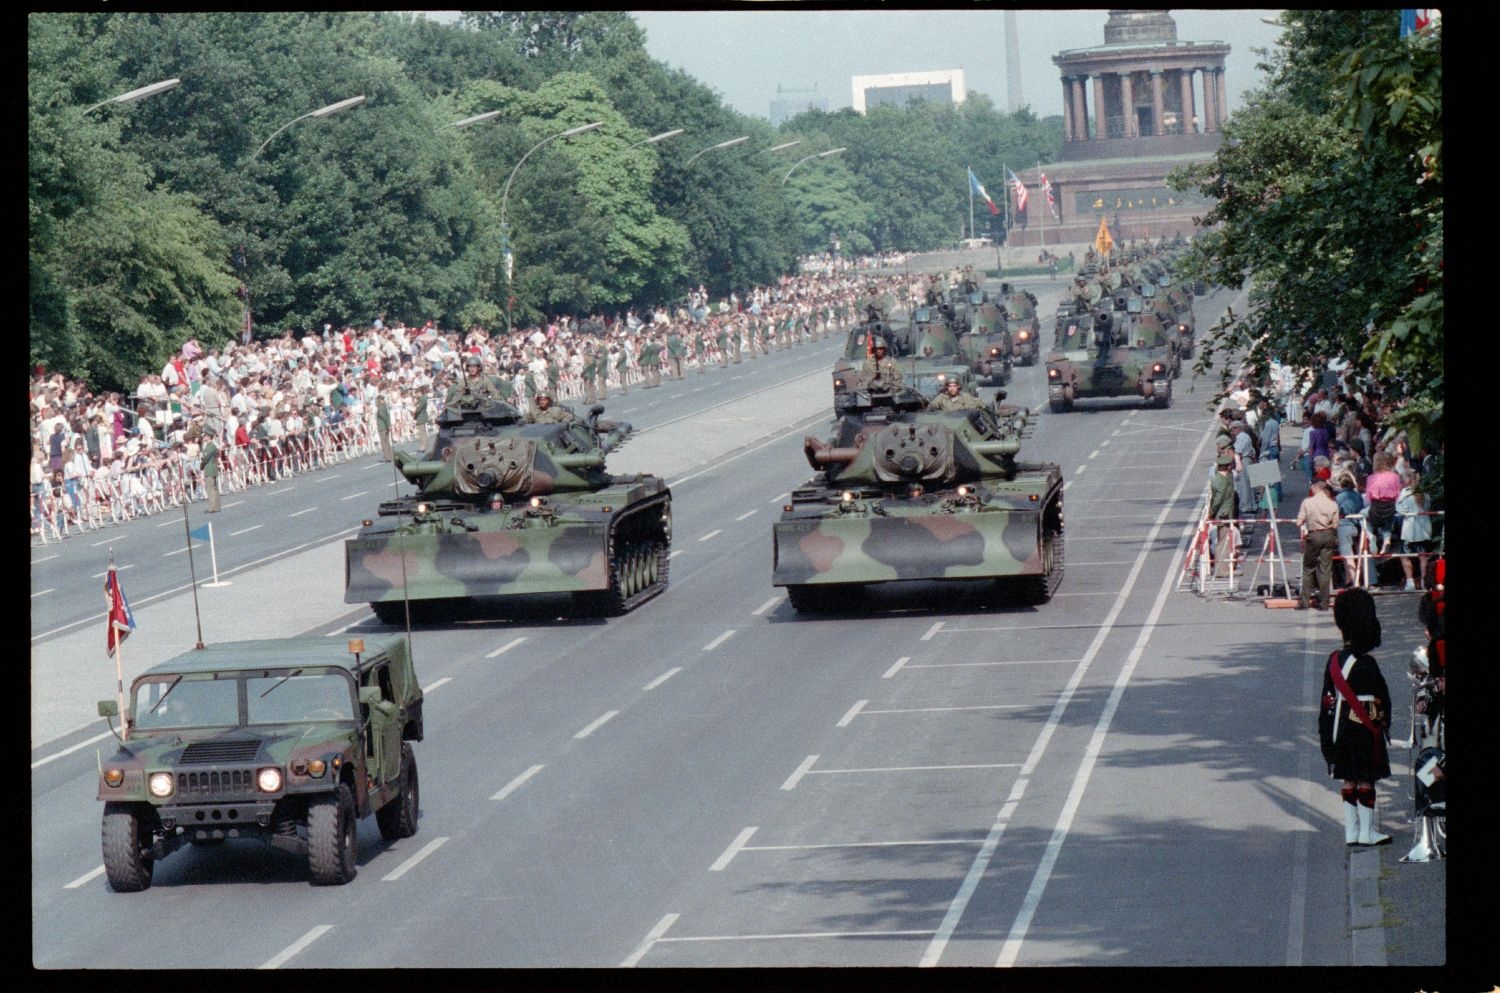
(306, 399)
(1388, 499)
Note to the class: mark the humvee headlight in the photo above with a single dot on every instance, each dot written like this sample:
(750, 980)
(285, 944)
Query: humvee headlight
(161, 784)
(316, 768)
(114, 777)
(1053, 373)
(268, 779)
(847, 496)
(424, 508)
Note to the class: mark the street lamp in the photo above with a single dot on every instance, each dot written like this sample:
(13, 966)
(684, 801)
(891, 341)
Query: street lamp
(808, 158)
(658, 137)
(783, 145)
(477, 118)
(723, 144)
(327, 111)
(138, 94)
(505, 203)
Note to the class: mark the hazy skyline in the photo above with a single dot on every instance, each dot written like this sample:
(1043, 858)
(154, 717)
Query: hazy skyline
(745, 54)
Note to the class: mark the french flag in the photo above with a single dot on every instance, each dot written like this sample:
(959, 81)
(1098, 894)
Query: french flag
(978, 190)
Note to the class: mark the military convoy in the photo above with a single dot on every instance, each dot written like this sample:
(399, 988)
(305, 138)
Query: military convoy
(905, 492)
(290, 742)
(507, 508)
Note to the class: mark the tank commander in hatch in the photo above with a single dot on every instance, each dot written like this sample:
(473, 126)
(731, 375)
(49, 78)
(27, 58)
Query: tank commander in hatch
(952, 398)
(881, 372)
(543, 412)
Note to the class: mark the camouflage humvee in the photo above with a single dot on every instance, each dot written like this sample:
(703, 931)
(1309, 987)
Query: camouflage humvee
(903, 492)
(289, 741)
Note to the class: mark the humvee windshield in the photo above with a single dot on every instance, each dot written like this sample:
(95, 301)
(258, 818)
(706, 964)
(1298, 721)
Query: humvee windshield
(285, 696)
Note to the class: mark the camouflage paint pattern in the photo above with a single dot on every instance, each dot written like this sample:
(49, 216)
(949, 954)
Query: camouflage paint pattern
(507, 508)
(907, 494)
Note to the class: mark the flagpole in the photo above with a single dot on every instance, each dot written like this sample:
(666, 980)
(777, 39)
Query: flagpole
(192, 573)
(213, 556)
(971, 202)
(1004, 176)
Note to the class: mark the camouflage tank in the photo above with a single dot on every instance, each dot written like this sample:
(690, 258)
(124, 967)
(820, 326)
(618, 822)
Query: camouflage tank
(1112, 365)
(290, 741)
(903, 492)
(1025, 328)
(508, 508)
(988, 346)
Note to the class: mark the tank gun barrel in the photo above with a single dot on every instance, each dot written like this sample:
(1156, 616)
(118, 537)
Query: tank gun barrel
(821, 455)
(999, 449)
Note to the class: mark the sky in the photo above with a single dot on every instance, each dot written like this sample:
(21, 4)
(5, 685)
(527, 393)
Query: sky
(745, 54)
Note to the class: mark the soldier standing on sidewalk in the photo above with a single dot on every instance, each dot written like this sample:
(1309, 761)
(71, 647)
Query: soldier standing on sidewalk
(1354, 715)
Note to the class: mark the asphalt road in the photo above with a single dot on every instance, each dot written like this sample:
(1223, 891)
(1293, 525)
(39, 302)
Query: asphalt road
(1124, 776)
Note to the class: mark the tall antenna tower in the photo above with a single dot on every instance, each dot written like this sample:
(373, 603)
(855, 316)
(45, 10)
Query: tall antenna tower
(1013, 97)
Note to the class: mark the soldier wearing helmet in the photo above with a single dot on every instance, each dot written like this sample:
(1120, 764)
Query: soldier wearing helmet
(952, 397)
(880, 371)
(476, 383)
(543, 412)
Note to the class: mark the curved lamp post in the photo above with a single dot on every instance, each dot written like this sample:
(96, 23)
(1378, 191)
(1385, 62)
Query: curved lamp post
(783, 146)
(658, 137)
(505, 203)
(722, 144)
(808, 158)
(477, 118)
(327, 111)
(139, 94)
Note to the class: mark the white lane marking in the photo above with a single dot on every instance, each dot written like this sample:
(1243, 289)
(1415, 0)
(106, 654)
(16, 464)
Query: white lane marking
(324, 479)
(410, 863)
(719, 640)
(597, 723)
(167, 524)
(118, 568)
(372, 465)
(276, 961)
(1115, 432)
(1066, 485)
(858, 706)
(1094, 453)
(945, 710)
(279, 491)
(516, 783)
(299, 513)
(440, 682)
(98, 870)
(662, 678)
(506, 647)
(780, 499)
(765, 606)
(96, 544)
(897, 667)
(42, 592)
(1102, 445)
(247, 530)
(71, 749)
(799, 772)
(916, 768)
(981, 861)
(673, 555)
(351, 496)
(936, 627)
(711, 534)
(795, 934)
(340, 630)
(1100, 593)
(865, 844)
(734, 847)
(746, 514)
(1080, 469)
(234, 503)
(49, 558)
(170, 554)
(652, 937)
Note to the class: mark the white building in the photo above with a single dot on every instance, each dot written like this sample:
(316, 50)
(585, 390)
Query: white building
(896, 89)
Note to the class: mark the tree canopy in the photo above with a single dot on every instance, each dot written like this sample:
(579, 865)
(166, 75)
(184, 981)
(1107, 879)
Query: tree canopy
(1329, 201)
(158, 221)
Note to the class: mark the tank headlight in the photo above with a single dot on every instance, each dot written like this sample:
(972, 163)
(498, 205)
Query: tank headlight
(1053, 373)
(268, 779)
(847, 496)
(366, 522)
(537, 502)
(1025, 335)
(114, 777)
(424, 508)
(1156, 367)
(965, 490)
(161, 784)
(838, 384)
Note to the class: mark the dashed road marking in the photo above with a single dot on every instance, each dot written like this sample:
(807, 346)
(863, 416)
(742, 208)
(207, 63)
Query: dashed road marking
(247, 530)
(849, 716)
(440, 682)
(276, 961)
(799, 772)
(662, 678)
(733, 849)
(410, 863)
(936, 627)
(71, 749)
(42, 592)
(652, 937)
(746, 514)
(765, 606)
(719, 640)
(596, 724)
(299, 513)
(96, 872)
(711, 534)
(506, 647)
(353, 496)
(897, 667)
(516, 783)
(118, 568)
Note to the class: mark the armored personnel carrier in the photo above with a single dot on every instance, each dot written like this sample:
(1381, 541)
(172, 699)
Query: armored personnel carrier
(1025, 329)
(507, 508)
(902, 492)
(1112, 364)
(988, 346)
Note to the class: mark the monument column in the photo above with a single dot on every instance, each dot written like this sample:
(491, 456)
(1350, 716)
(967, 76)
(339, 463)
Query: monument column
(1101, 120)
(1067, 85)
(1223, 112)
(1127, 105)
(1080, 110)
(1210, 101)
(1158, 109)
(1185, 78)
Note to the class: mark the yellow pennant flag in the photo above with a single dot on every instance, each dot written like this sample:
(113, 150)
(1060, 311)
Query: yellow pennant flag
(1103, 243)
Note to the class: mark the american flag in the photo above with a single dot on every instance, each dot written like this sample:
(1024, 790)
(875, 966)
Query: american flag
(121, 621)
(1021, 193)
